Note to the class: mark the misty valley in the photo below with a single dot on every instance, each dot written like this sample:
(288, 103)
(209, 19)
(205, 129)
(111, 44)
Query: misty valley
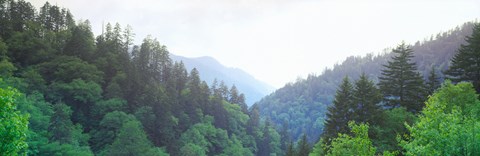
(66, 91)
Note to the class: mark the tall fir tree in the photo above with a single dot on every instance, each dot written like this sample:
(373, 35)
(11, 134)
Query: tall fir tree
(465, 65)
(400, 82)
(339, 113)
(433, 81)
(303, 147)
(366, 101)
(290, 150)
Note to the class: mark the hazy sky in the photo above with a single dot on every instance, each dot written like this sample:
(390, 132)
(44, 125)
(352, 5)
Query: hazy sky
(277, 40)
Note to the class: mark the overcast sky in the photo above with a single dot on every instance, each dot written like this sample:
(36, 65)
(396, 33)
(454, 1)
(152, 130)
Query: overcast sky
(277, 40)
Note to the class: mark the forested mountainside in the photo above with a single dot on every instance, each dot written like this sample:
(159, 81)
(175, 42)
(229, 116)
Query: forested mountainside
(301, 105)
(212, 70)
(66, 92)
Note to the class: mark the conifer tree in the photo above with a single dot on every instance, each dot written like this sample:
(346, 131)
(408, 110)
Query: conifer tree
(366, 102)
(290, 150)
(466, 63)
(433, 81)
(339, 113)
(400, 82)
(303, 147)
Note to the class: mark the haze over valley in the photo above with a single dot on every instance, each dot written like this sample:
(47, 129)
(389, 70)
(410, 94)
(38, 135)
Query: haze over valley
(239, 77)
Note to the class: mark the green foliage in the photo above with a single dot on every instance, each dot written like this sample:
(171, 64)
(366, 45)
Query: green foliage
(392, 127)
(366, 102)
(108, 129)
(303, 147)
(204, 136)
(319, 148)
(340, 112)
(304, 102)
(235, 148)
(433, 81)
(400, 82)
(62, 129)
(132, 141)
(448, 125)
(81, 44)
(359, 144)
(465, 63)
(13, 124)
(67, 68)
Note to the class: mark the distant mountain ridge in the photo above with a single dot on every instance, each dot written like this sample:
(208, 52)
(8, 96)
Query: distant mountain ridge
(302, 105)
(211, 69)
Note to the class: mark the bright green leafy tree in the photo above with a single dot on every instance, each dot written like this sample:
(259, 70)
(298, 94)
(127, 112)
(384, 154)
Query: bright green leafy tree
(13, 125)
(358, 144)
(449, 124)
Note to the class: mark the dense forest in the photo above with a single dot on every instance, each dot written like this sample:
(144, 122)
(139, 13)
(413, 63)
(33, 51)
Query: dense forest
(302, 106)
(101, 95)
(65, 91)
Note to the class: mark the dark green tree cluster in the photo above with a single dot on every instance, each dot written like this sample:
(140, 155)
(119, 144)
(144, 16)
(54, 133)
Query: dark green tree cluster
(465, 65)
(360, 103)
(103, 95)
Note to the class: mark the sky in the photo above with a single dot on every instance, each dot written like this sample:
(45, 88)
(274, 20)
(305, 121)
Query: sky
(277, 41)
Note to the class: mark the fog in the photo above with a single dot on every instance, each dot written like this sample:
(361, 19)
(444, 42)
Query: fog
(277, 41)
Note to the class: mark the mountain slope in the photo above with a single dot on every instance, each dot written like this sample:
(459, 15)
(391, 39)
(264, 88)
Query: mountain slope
(211, 69)
(303, 104)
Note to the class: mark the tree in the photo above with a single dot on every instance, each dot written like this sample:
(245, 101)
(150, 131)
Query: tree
(366, 102)
(82, 42)
(303, 147)
(340, 112)
(359, 144)
(290, 151)
(235, 148)
(132, 141)
(318, 148)
(13, 124)
(393, 126)
(448, 125)
(400, 82)
(433, 81)
(465, 65)
(108, 129)
(204, 138)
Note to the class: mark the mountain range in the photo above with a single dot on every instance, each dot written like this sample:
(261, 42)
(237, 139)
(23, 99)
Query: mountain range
(210, 69)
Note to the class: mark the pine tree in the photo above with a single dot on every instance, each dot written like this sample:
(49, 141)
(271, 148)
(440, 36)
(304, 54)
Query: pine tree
(400, 82)
(339, 113)
(433, 81)
(290, 150)
(366, 99)
(466, 63)
(303, 147)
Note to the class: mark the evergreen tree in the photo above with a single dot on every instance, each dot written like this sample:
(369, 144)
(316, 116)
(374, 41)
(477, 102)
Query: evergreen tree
(400, 82)
(264, 143)
(433, 81)
(303, 147)
(237, 98)
(366, 100)
(290, 150)
(82, 42)
(466, 62)
(339, 113)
